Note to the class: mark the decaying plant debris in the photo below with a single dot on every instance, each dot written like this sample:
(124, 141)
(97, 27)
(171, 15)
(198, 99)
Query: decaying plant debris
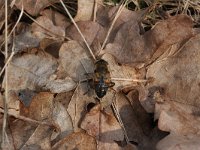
(153, 52)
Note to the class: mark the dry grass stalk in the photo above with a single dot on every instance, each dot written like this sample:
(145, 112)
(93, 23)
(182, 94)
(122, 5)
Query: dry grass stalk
(71, 18)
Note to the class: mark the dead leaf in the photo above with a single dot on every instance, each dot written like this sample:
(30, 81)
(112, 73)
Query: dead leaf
(51, 46)
(59, 86)
(40, 108)
(64, 98)
(30, 71)
(40, 139)
(33, 7)
(86, 9)
(122, 72)
(142, 117)
(129, 119)
(178, 75)
(179, 142)
(106, 15)
(74, 61)
(48, 29)
(178, 28)
(13, 103)
(78, 140)
(25, 40)
(131, 47)
(26, 96)
(77, 105)
(91, 31)
(57, 18)
(177, 118)
(21, 131)
(104, 127)
(62, 121)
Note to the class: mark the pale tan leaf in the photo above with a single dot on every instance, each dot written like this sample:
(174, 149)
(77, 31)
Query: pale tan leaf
(91, 31)
(74, 61)
(85, 10)
(177, 118)
(59, 86)
(104, 127)
(130, 46)
(78, 140)
(33, 7)
(40, 139)
(178, 76)
(21, 131)
(57, 18)
(62, 121)
(179, 142)
(45, 28)
(77, 105)
(30, 71)
(40, 108)
(122, 72)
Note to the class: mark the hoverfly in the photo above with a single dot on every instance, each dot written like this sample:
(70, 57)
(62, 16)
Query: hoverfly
(101, 78)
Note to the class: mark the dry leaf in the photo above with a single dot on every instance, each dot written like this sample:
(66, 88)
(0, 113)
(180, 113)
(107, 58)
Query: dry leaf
(74, 61)
(106, 15)
(174, 30)
(59, 86)
(57, 18)
(21, 132)
(33, 7)
(177, 118)
(25, 96)
(142, 117)
(48, 29)
(178, 142)
(30, 71)
(77, 105)
(131, 47)
(129, 118)
(104, 127)
(62, 121)
(40, 108)
(64, 98)
(40, 139)
(51, 46)
(25, 40)
(13, 103)
(122, 72)
(78, 140)
(86, 9)
(91, 31)
(178, 76)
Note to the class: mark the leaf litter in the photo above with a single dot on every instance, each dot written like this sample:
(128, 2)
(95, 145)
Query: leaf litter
(153, 105)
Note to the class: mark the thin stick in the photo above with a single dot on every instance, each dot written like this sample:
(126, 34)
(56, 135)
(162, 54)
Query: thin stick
(9, 59)
(6, 79)
(19, 18)
(26, 119)
(111, 27)
(119, 119)
(95, 11)
(130, 80)
(71, 18)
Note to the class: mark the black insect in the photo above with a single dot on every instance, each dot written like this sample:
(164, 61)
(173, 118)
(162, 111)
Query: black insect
(101, 79)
